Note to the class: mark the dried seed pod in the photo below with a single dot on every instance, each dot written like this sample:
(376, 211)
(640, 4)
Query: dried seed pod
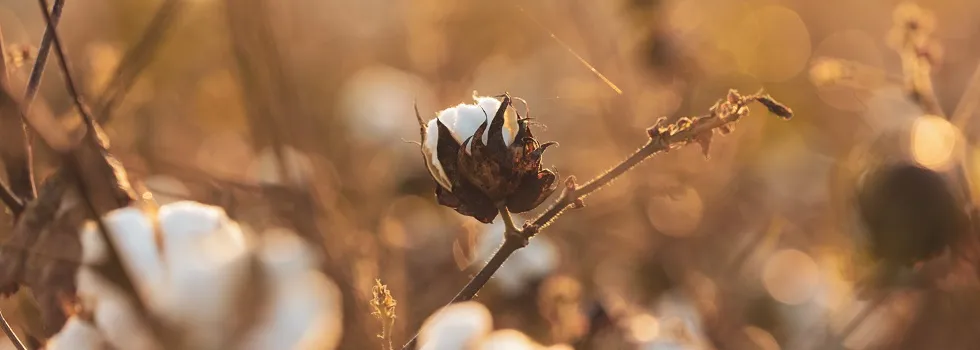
(483, 156)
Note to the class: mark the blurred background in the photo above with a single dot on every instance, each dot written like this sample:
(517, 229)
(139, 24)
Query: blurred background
(760, 246)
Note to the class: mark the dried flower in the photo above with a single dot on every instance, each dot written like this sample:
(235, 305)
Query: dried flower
(384, 310)
(483, 159)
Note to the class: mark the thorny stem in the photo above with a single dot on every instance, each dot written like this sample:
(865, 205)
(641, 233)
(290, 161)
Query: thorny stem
(662, 138)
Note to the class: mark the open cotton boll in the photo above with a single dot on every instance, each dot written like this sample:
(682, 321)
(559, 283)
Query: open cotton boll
(202, 247)
(454, 327)
(76, 334)
(462, 121)
(112, 312)
(509, 339)
(305, 306)
(535, 261)
(133, 234)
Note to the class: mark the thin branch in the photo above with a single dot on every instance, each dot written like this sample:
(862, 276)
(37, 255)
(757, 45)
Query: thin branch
(663, 137)
(37, 71)
(14, 144)
(65, 71)
(112, 268)
(10, 200)
(10, 334)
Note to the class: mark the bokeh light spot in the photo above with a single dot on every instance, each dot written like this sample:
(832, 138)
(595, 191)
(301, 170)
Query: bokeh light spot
(934, 141)
(790, 276)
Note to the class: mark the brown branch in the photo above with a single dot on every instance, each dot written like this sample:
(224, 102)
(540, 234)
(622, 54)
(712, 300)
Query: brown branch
(14, 145)
(37, 71)
(10, 333)
(663, 137)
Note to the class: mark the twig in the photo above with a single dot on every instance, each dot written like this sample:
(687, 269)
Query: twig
(14, 144)
(862, 315)
(37, 71)
(66, 72)
(112, 268)
(10, 200)
(10, 334)
(663, 137)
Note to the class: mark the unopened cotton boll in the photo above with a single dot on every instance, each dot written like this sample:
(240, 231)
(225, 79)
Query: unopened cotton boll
(454, 327)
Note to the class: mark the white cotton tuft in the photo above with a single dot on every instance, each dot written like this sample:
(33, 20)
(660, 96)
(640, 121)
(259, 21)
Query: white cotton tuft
(77, 334)
(533, 262)
(202, 247)
(196, 284)
(457, 326)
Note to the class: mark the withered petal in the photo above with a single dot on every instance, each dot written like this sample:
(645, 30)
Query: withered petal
(467, 200)
(447, 150)
(495, 138)
(478, 145)
(534, 189)
(523, 131)
(538, 152)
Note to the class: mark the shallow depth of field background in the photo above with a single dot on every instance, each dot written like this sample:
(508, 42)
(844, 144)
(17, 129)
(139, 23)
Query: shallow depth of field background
(761, 235)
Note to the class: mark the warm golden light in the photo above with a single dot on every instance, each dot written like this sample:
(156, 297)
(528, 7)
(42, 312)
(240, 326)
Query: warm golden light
(934, 142)
(790, 276)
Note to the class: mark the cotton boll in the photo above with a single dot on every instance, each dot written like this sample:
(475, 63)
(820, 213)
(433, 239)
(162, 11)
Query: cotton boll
(202, 247)
(454, 327)
(491, 105)
(535, 261)
(305, 306)
(304, 312)
(112, 312)
(77, 334)
(509, 339)
(134, 237)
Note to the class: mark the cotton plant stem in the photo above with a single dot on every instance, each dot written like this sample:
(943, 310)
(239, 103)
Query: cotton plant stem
(662, 139)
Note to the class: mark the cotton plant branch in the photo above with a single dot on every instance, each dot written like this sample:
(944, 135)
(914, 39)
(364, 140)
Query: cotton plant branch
(14, 145)
(663, 137)
(84, 168)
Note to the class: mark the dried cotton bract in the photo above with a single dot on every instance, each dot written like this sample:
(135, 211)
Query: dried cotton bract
(483, 158)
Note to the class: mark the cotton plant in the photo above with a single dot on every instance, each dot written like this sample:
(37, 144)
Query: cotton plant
(195, 270)
(469, 326)
(485, 163)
